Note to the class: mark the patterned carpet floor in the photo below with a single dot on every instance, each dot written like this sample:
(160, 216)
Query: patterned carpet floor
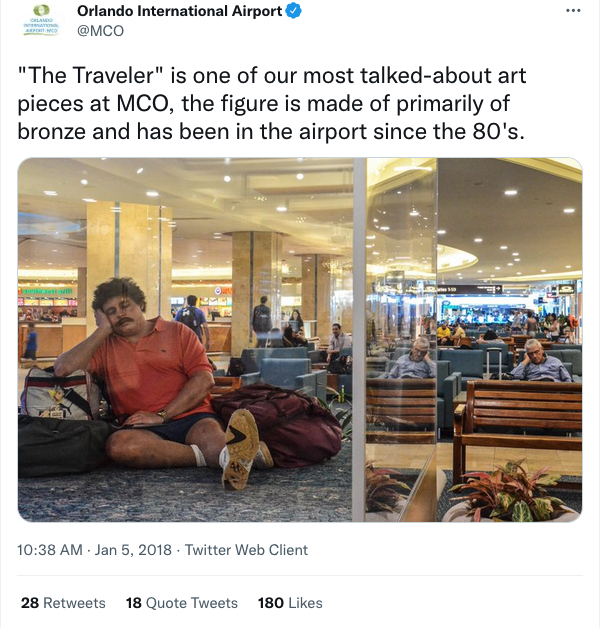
(318, 493)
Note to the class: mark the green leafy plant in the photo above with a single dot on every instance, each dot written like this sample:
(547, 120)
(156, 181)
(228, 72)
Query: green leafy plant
(342, 411)
(510, 493)
(383, 490)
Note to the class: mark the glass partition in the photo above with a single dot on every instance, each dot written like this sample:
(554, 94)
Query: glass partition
(400, 362)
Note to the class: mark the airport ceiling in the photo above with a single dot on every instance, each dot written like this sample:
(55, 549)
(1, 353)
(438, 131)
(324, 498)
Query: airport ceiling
(212, 198)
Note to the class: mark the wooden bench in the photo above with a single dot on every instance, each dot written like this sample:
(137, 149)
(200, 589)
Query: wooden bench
(405, 408)
(517, 406)
(224, 385)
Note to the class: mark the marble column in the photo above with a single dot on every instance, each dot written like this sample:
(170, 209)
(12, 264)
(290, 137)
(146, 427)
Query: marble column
(81, 291)
(256, 271)
(130, 240)
(318, 302)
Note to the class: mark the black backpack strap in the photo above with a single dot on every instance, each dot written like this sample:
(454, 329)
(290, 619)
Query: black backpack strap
(76, 399)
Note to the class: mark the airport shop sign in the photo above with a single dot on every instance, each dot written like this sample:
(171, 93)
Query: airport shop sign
(469, 289)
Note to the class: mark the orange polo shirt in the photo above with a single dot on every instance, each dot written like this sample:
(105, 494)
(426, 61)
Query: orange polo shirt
(149, 374)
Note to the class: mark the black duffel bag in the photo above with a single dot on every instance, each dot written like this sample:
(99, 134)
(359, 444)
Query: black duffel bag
(56, 446)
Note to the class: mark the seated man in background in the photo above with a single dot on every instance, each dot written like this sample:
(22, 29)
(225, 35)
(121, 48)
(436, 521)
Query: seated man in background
(338, 340)
(458, 334)
(416, 364)
(538, 366)
(444, 334)
(158, 380)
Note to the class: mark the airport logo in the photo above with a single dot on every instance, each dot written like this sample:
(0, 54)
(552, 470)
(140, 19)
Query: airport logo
(41, 23)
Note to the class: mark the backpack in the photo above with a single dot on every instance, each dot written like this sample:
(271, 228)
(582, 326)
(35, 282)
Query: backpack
(75, 397)
(341, 366)
(261, 319)
(190, 317)
(236, 367)
(297, 430)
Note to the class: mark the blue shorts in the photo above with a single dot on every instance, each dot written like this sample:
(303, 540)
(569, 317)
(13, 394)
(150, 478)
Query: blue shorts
(177, 430)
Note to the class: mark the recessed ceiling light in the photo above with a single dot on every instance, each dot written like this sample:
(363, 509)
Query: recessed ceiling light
(139, 171)
(84, 182)
(478, 240)
(517, 259)
(503, 247)
(282, 208)
(510, 264)
(479, 271)
(496, 267)
(371, 237)
(519, 273)
(299, 176)
(515, 255)
(151, 193)
(88, 200)
(414, 212)
(510, 192)
(227, 178)
(543, 270)
(384, 228)
(50, 193)
(291, 252)
(569, 210)
(567, 266)
(441, 232)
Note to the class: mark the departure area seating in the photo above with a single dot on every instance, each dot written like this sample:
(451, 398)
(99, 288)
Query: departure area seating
(497, 354)
(289, 373)
(401, 410)
(252, 358)
(515, 407)
(448, 387)
(463, 341)
(520, 341)
(563, 346)
(468, 363)
(570, 356)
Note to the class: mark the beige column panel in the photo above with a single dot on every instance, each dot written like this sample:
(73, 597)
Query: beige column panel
(129, 240)
(317, 293)
(256, 271)
(81, 291)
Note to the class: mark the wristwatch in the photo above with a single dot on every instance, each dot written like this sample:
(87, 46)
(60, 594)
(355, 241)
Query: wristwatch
(163, 415)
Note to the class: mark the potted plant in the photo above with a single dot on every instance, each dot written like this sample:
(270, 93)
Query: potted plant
(384, 493)
(341, 408)
(509, 493)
